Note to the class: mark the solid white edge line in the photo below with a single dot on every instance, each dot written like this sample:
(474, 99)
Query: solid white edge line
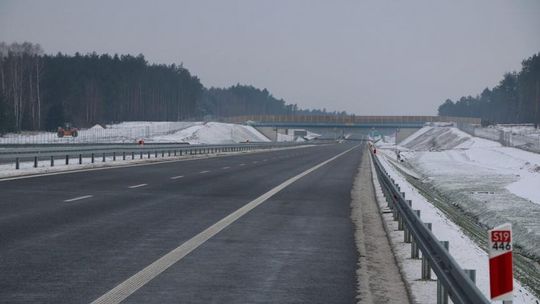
(78, 198)
(205, 171)
(137, 186)
(177, 177)
(141, 278)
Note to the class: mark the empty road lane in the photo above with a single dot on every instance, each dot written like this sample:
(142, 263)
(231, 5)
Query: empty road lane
(74, 238)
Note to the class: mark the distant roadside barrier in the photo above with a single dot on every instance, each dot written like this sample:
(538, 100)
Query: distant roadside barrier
(528, 142)
(452, 280)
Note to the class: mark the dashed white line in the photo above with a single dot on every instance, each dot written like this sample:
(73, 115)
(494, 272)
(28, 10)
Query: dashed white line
(177, 177)
(205, 171)
(78, 198)
(141, 278)
(225, 168)
(137, 186)
(242, 164)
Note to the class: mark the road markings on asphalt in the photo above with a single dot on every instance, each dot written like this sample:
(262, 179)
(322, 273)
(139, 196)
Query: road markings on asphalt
(255, 161)
(177, 177)
(137, 186)
(141, 278)
(78, 198)
(242, 164)
(225, 168)
(205, 171)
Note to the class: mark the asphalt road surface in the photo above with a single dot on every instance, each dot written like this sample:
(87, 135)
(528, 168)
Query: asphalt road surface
(73, 238)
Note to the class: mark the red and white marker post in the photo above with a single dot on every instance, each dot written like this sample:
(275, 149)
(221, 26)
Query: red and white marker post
(501, 278)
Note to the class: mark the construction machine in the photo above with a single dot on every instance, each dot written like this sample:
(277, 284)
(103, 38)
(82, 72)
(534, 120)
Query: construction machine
(67, 130)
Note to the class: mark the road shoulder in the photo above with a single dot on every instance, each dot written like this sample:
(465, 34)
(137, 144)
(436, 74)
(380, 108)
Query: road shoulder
(379, 278)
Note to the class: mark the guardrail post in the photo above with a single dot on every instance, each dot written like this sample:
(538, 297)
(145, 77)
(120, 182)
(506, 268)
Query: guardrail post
(52, 161)
(141, 155)
(155, 154)
(426, 269)
(67, 159)
(406, 234)
(132, 155)
(92, 158)
(169, 153)
(114, 156)
(162, 153)
(80, 159)
(471, 273)
(400, 222)
(35, 161)
(442, 293)
(414, 247)
(148, 154)
(174, 152)
(17, 165)
(123, 155)
(103, 157)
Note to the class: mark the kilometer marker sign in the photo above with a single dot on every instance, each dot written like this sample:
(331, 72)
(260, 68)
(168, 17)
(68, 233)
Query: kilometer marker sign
(501, 279)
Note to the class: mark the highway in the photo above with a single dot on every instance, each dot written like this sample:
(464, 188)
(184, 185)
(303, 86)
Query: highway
(246, 228)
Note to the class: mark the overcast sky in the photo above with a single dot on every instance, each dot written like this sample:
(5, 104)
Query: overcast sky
(365, 57)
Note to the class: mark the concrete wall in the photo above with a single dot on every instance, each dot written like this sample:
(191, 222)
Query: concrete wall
(404, 133)
(270, 132)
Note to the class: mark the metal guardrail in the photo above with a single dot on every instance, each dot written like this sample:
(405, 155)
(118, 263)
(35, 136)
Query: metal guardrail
(124, 152)
(451, 276)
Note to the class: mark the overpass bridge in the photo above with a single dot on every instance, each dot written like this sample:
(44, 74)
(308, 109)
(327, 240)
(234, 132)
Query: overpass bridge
(345, 121)
(330, 126)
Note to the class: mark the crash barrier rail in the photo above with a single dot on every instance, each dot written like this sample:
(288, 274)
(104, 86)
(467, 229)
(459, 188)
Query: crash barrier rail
(124, 152)
(452, 280)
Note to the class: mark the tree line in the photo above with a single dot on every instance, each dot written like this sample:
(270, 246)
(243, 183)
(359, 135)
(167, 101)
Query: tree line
(41, 92)
(516, 99)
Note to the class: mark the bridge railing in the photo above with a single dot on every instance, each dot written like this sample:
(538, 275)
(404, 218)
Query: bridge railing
(349, 119)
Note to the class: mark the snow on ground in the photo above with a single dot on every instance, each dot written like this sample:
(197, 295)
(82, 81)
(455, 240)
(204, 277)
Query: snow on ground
(463, 249)
(495, 184)
(311, 135)
(132, 131)
(491, 183)
(125, 132)
(214, 133)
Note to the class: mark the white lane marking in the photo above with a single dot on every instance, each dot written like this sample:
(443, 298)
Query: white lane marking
(225, 168)
(242, 164)
(137, 186)
(78, 198)
(177, 177)
(205, 171)
(141, 278)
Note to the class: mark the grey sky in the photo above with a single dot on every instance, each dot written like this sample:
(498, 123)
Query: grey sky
(366, 57)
